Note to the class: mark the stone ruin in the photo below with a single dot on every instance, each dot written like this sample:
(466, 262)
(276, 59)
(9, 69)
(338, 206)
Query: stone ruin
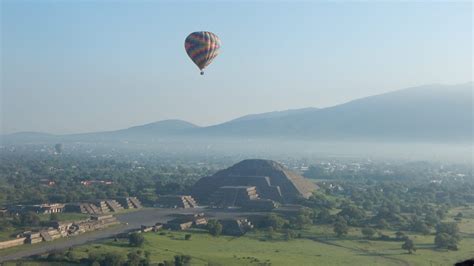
(95, 222)
(104, 206)
(46, 208)
(235, 227)
(130, 202)
(88, 208)
(271, 180)
(176, 201)
(240, 196)
(61, 229)
(186, 221)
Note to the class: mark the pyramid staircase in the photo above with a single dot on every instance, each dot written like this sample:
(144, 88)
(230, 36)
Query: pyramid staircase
(113, 205)
(135, 202)
(190, 201)
(103, 206)
(89, 208)
(129, 202)
(177, 201)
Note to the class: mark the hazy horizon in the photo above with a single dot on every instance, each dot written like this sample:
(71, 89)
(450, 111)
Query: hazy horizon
(218, 123)
(89, 66)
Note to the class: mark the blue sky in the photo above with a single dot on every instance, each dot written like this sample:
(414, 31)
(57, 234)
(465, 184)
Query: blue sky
(81, 66)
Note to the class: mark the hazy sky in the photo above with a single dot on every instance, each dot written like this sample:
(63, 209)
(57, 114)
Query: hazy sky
(80, 66)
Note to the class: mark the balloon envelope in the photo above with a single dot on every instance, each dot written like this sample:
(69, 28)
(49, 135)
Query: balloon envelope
(202, 47)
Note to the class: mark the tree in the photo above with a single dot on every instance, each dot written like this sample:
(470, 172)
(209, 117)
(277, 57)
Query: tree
(341, 228)
(431, 219)
(400, 235)
(289, 234)
(451, 229)
(274, 221)
(214, 227)
(182, 260)
(352, 214)
(56, 256)
(53, 217)
(324, 216)
(447, 236)
(382, 224)
(113, 259)
(133, 259)
(420, 226)
(301, 220)
(444, 240)
(367, 205)
(409, 245)
(136, 240)
(368, 232)
(29, 219)
(270, 232)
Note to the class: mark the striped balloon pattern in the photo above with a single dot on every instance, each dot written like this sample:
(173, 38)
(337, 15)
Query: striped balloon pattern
(202, 47)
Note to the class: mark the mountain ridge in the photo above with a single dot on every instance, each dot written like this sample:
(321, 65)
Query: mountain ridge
(430, 112)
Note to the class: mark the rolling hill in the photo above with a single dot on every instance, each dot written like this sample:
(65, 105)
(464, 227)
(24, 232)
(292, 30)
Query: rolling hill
(427, 113)
(432, 112)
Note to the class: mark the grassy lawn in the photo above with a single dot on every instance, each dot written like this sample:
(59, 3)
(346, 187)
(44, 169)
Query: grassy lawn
(6, 233)
(318, 246)
(66, 216)
(35, 263)
(323, 249)
(248, 250)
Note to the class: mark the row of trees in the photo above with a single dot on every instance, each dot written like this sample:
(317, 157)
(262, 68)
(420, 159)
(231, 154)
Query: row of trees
(21, 175)
(372, 206)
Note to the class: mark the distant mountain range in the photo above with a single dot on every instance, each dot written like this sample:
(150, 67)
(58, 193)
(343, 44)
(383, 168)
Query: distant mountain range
(427, 113)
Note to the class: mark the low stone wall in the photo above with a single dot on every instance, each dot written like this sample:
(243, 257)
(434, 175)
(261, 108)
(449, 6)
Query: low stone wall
(93, 224)
(12, 243)
(61, 229)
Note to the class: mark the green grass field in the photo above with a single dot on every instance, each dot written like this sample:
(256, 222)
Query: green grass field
(7, 233)
(318, 246)
(323, 250)
(66, 216)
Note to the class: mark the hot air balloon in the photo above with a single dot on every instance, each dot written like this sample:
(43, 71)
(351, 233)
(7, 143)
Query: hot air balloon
(202, 47)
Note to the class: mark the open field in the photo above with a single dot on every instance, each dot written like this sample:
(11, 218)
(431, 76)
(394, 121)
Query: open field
(255, 248)
(65, 216)
(317, 246)
(6, 233)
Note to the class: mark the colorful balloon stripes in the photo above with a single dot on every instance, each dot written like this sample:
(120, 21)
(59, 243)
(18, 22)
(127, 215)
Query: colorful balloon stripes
(202, 47)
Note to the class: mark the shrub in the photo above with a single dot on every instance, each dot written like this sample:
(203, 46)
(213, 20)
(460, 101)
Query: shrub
(136, 240)
(409, 245)
(368, 232)
(214, 227)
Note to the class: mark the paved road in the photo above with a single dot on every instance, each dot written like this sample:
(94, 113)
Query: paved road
(129, 221)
